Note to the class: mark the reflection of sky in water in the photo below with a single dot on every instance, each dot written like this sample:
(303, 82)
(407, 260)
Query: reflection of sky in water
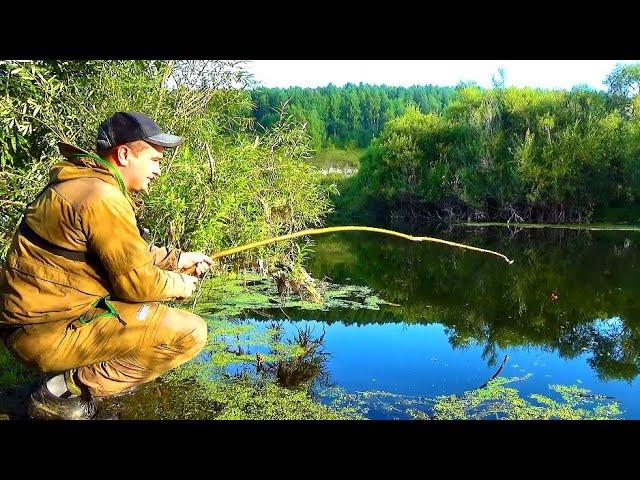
(609, 327)
(418, 360)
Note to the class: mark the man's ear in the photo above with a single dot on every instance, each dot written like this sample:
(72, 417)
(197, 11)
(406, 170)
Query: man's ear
(122, 155)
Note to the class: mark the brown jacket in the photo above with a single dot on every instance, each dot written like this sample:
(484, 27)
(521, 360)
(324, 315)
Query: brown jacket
(84, 209)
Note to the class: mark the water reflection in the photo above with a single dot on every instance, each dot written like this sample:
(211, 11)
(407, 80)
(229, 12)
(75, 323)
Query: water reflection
(306, 368)
(483, 301)
(296, 359)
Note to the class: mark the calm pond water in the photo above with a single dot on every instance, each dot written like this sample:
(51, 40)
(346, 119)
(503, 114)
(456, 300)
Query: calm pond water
(566, 312)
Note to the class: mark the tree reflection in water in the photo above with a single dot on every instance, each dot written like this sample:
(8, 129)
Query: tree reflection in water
(594, 274)
(306, 368)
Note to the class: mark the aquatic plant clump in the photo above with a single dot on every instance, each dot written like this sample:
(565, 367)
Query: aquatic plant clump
(228, 297)
(213, 393)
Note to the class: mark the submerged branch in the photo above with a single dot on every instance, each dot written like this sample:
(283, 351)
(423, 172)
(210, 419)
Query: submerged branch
(506, 357)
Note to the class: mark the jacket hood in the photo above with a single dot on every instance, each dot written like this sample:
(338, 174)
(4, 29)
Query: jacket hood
(79, 167)
(80, 163)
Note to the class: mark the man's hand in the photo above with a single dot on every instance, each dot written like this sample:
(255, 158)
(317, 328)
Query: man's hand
(199, 259)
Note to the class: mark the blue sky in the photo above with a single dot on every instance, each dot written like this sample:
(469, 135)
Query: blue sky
(552, 74)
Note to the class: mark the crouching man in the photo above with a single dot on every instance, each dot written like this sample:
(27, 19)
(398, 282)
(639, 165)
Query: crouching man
(81, 290)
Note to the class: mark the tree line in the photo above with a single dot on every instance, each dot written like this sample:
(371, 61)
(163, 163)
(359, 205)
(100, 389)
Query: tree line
(349, 116)
(511, 154)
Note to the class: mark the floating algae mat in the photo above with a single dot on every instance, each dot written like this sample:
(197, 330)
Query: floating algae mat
(493, 401)
(233, 295)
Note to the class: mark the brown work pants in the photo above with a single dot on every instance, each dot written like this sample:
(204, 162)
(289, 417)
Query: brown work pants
(110, 357)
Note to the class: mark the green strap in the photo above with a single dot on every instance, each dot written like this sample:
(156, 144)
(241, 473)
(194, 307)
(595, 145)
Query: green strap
(109, 165)
(111, 311)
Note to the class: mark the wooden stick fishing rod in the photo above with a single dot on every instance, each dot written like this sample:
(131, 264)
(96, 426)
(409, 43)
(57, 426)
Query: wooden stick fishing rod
(317, 231)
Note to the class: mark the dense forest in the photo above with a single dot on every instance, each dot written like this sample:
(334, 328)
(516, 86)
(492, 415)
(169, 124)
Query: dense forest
(511, 154)
(348, 116)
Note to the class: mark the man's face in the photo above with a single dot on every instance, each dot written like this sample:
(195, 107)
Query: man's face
(142, 166)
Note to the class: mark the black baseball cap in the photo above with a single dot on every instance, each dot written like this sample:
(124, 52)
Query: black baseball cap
(125, 127)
